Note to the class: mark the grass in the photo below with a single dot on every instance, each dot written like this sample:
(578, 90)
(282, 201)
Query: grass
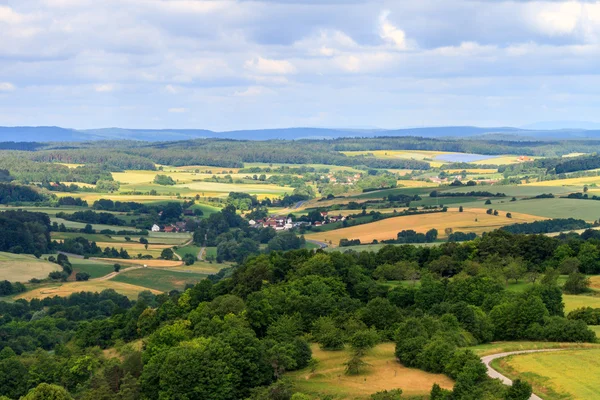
(383, 373)
(513, 190)
(572, 374)
(504, 347)
(68, 288)
(190, 249)
(471, 220)
(573, 302)
(163, 280)
(23, 267)
(587, 210)
(95, 268)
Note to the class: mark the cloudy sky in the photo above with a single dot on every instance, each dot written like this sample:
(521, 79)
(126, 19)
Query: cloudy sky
(222, 64)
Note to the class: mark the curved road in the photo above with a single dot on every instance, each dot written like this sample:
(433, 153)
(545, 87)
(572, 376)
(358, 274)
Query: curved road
(495, 374)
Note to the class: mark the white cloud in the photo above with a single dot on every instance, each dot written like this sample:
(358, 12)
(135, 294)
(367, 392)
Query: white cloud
(391, 33)
(172, 89)
(555, 18)
(253, 91)
(9, 16)
(104, 88)
(267, 66)
(6, 87)
(178, 110)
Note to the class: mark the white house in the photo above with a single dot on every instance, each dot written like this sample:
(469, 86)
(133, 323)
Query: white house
(155, 228)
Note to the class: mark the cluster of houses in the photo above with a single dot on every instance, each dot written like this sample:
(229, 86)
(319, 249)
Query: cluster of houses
(284, 223)
(351, 180)
(171, 228)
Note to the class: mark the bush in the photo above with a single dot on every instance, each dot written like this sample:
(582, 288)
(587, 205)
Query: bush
(82, 276)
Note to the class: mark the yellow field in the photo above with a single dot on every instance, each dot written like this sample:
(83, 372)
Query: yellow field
(383, 373)
(21, 267)
(72, 165)
(577, 183)
(568, 374)
(502, 160)
(404, 154)
(389, 228)
(149, 263)
(135, 248)
(415, 184)
(573, 302)
(68, 288)
(481, 171)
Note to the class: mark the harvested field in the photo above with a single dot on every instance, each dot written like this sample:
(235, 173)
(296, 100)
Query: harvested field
(68, 288)
(471, 220)
(23, 267)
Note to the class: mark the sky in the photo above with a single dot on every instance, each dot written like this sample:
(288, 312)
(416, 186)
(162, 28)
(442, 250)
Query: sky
(226, 65)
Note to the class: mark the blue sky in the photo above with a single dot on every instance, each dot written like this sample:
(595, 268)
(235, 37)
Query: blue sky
(225, 65)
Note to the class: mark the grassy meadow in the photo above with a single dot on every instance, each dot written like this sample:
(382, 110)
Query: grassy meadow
(162, 280)
(23, 267)
(566, 374)
(383, 373)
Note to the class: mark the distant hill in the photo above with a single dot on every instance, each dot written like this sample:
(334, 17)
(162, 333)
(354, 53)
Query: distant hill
(58, 134)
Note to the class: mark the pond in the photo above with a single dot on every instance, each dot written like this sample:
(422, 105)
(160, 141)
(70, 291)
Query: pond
(462, 157)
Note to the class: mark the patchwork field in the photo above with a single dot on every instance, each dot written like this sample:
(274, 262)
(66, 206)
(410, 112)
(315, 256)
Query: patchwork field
(68, 288)
(568, 374)
(471, 220)
(21, 268)
(383, 373)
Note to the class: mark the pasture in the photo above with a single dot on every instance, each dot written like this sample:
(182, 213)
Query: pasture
(568, 374)
(21, 267)
(471, 220)
(518, 191)
(588, 210)
(96, 268)
(163, 280)
(383, 373)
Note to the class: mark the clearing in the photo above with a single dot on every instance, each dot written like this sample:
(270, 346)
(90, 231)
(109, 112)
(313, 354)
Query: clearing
(384, 373)
(388, 228)
(22, 267)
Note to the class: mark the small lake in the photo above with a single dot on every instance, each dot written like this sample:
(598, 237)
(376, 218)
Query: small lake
(462, 157)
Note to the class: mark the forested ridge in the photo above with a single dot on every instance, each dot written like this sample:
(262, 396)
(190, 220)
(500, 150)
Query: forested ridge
(235, 337)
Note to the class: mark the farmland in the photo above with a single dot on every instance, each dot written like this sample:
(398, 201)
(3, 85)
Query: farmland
(68, 288)
(471, 220)
(383, 373)
(161, 280)
(21, 268)
(573, 374)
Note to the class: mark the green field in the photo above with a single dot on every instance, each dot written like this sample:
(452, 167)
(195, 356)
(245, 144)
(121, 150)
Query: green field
(97, 227)
(553, 208)
(568, 374)
(514, 190)
(190, 249)
(22, 267)
(159, 279)
(95, 268)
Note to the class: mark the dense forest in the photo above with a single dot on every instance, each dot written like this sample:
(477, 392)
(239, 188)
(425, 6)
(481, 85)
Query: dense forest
(10, 193)
(24, 232)
(235, 337)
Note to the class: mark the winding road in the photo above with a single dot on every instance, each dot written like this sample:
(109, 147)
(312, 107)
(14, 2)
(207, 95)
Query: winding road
(497, 375)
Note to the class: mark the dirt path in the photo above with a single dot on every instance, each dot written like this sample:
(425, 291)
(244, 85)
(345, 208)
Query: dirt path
(495, 374)
(322, 245)
(200, 253)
